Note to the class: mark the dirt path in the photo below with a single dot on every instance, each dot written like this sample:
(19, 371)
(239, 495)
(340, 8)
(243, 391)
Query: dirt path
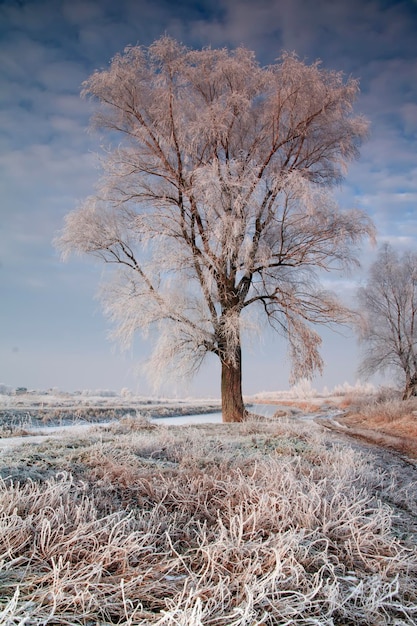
(397, 471)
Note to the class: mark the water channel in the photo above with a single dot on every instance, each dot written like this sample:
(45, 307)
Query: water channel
(38, 434)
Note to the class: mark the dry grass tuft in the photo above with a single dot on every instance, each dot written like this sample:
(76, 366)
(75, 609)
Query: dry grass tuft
(390, 417)
(388, 411)
(238, 525)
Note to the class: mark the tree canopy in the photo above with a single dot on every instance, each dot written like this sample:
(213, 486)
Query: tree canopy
(216, 199)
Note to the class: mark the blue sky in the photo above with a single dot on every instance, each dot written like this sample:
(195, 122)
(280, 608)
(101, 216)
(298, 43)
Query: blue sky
(52, 331)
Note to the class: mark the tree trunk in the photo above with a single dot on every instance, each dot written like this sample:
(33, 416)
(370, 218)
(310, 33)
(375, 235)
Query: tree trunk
(410, 387)
(233, 409)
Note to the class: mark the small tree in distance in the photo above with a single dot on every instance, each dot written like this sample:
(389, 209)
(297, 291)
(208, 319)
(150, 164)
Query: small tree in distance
(217, 201)
(388, 303)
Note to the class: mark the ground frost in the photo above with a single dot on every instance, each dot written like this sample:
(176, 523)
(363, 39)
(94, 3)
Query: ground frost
(188, 527)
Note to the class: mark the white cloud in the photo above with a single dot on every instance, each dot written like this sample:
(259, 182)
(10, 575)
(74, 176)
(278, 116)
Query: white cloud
(58, 76)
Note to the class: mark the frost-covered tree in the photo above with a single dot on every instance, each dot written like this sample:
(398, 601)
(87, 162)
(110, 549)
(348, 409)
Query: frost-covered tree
(388, 303)
(215, 200)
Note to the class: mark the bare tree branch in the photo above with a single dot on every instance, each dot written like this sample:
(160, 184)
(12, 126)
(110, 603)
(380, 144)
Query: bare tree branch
(388, 304)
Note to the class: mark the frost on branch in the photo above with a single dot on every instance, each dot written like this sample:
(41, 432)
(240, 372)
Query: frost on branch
(218, 202)
(387, 328)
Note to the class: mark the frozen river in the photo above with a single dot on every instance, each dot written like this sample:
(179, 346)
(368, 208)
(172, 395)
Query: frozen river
(266, 410)
(38, 434)
(178, 420)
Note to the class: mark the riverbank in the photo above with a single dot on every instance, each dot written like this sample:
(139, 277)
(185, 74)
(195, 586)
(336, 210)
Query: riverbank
(388, 423)
(24, 413)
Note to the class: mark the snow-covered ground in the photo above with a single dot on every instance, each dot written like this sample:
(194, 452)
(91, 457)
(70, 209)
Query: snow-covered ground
(53, 400)
(103, 399)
